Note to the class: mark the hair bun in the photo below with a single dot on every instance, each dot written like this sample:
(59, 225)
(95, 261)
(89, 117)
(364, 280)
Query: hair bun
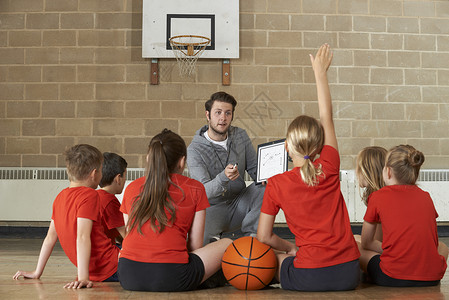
(416, 158)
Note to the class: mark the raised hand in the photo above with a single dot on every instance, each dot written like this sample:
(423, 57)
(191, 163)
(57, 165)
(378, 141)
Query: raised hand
(320, 65)
(322, 59)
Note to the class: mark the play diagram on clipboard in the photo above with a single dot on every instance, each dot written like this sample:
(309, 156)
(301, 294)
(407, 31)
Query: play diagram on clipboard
(271, 160)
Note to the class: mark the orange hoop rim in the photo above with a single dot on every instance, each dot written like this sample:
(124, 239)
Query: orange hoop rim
(176, 43)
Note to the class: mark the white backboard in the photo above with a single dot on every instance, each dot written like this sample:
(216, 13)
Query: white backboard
(215, 19)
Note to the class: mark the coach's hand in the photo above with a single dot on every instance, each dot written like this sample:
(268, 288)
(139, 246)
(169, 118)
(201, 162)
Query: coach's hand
(232, 172)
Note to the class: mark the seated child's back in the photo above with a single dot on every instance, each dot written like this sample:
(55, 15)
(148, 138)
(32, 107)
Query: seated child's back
(84, 202)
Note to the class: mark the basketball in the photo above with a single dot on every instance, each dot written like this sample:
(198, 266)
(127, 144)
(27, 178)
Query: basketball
(249, 264)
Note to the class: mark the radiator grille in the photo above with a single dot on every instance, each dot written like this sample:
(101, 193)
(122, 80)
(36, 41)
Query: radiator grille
(434, 175)
(134, 173)
(57, 173)
(33, 173)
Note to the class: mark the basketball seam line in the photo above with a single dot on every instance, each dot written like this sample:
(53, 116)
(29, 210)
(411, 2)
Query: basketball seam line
(244, 266)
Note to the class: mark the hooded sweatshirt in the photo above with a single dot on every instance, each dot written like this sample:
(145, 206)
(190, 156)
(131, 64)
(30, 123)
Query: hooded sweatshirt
(207, 161)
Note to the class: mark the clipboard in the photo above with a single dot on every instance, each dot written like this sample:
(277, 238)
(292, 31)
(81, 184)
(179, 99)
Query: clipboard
(272, 159)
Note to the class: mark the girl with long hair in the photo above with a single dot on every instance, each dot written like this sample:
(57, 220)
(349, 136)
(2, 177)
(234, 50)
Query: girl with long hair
(369, 165)
(165, 215)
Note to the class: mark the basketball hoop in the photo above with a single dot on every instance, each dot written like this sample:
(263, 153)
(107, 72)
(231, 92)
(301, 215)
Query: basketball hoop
(187, 50)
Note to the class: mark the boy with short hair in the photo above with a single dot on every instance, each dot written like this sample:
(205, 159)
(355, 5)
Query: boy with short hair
(112, 183)
(76, 222)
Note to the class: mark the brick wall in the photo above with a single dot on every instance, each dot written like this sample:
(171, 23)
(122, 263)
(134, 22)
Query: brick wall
(71, 72)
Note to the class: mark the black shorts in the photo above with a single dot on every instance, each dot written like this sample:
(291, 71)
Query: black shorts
(341, 277)
(161, 277)
(378, 277)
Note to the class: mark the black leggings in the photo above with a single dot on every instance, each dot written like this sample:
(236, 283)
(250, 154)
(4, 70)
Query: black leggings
(380, 278)
(341, 277)
(161, 277)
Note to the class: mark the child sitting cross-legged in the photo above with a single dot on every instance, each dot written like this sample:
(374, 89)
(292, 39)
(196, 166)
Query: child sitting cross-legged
(165, 213)
(324, 256)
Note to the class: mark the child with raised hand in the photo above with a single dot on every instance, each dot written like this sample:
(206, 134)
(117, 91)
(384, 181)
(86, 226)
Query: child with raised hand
(76, 223)
(112, 183)
(165, 215)
(325, 256)
(369, 165)
(409, 254)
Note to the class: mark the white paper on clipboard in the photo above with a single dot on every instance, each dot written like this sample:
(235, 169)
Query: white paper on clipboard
(271, 160)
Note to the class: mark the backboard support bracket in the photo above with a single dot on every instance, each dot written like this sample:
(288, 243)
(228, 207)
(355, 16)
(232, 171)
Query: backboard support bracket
(154, 76)
(226, 73)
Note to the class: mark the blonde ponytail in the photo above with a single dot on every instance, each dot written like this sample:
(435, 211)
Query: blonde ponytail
(305, 138)
(310, 173)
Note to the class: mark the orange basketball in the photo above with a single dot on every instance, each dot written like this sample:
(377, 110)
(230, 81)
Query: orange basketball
(249, 264)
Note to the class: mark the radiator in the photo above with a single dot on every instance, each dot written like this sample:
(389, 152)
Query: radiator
(27, 194)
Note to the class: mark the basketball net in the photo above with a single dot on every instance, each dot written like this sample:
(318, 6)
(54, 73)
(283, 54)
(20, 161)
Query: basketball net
(187, 50)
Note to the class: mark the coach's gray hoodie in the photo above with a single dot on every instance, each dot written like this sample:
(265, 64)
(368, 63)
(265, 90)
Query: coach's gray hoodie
(206, 162)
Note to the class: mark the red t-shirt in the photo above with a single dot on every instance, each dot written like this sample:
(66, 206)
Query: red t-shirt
(170, 246)
(316, 215)
(83, 202)
(410, 238)
(111, 216)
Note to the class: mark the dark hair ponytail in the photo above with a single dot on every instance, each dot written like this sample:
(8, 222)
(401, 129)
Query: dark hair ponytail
(154, 202)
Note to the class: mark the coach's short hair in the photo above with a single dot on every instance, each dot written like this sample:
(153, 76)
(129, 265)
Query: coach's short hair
(221, 97)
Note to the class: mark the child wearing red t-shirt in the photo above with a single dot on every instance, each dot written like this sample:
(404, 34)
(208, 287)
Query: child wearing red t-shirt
(165, 214)
(369, 165)
(112, 183)
(410, 253)
(325, 256)
(76, 223)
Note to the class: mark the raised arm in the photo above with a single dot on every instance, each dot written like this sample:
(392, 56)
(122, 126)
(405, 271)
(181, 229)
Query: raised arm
(320, 64)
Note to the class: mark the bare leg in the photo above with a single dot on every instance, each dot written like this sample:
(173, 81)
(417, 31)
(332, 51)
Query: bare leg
(358, 239)
(280, 257)
(211, 255)
(442, 249)
(379, 234)
(365, 257)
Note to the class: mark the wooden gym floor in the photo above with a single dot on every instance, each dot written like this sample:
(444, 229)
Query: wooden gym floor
(22, 253)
